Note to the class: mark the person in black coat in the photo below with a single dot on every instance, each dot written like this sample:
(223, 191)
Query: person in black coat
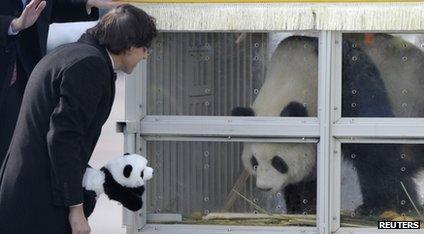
(24, 26)
(67, 100)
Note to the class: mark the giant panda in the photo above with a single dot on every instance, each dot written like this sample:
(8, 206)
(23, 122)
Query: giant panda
(378, 70)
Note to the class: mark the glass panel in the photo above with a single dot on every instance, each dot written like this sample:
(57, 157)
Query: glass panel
(381, 182)
(207, 183)
(213, 73)
(383, 75)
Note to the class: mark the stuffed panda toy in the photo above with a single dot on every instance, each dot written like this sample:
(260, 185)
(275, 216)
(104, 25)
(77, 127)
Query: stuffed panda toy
(382, 74)
(121, 179)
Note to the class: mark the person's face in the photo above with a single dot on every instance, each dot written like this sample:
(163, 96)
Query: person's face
(132, 57)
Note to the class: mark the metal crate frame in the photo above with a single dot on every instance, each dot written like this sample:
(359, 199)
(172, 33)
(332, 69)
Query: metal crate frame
(329, 130)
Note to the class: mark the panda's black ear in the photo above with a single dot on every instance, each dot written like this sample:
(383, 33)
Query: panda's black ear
(127, 170)
(127, 154)
(242, 111)
(294, 109)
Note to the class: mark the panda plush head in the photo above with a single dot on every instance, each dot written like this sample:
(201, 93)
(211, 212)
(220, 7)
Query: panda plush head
(121, 179)
(130, 170)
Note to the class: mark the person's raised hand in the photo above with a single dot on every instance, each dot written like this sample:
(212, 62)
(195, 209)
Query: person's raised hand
(29, 15)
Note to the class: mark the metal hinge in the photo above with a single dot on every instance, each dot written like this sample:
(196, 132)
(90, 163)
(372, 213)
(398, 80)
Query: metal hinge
(126, 127)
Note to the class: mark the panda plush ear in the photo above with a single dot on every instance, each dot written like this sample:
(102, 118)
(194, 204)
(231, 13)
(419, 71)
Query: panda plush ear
(242, 111)
(294, 109)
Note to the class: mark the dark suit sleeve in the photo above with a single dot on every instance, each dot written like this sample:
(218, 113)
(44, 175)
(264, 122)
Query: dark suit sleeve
(81, 89)
(5, 21)
(71, 11)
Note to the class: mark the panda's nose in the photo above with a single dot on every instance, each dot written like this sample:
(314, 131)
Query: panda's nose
(265, 189)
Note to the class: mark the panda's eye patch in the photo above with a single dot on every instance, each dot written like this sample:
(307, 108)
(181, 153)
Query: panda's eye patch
(142, 174)
(279, 164)
(254, 162)
(127, 170)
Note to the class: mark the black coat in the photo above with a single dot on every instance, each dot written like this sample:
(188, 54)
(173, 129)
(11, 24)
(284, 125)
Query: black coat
(67, 100)
(26, 49)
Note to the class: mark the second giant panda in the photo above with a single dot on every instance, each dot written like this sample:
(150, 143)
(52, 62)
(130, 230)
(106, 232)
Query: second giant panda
(381, 76)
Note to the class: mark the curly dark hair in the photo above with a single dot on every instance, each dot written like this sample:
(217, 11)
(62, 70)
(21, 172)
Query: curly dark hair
(124, 27)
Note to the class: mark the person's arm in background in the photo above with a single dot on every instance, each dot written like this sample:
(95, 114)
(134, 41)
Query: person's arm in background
(78, 10)
(10, 25)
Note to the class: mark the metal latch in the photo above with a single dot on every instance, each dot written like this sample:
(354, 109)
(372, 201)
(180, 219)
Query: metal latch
(126, 126)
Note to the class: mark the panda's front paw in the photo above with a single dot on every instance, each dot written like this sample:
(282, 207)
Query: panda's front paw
(131, 202)
(367, 210)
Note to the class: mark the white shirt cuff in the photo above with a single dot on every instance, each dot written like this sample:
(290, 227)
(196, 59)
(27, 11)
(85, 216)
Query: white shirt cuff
(11, 32)
(76, 205)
